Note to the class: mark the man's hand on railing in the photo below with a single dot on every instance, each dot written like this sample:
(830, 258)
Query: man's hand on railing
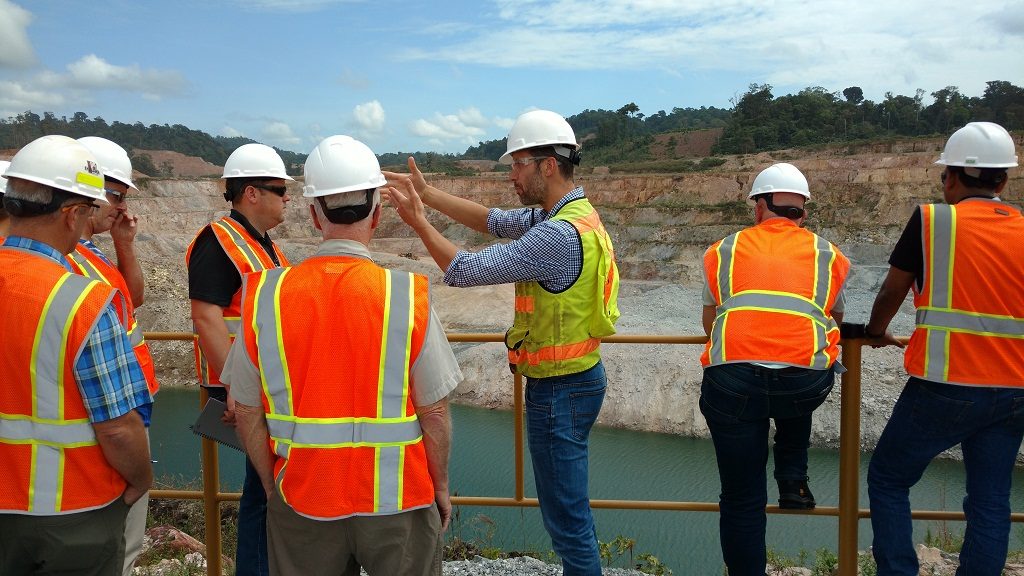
(886, 339)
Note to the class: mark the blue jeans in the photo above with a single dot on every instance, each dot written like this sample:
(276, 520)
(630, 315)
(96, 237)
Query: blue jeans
(929, 418)
(737, 401)
(251, 556)
(560, 412)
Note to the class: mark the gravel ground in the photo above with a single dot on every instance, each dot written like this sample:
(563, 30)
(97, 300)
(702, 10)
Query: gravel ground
(522, 566)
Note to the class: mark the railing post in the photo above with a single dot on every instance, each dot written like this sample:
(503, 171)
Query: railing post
(211, 501)
(849, 458)
(517, 407)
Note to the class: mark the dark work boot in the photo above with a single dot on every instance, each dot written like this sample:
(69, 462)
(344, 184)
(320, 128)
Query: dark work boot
(795, 495)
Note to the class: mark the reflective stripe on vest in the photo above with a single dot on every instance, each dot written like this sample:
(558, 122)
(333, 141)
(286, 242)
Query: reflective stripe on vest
(774, 302)
(47, 375)
(970, 325)
(939, 272)
(245, 252)
(560, 333)
(388, 433)
(85, 262)
(252, 259)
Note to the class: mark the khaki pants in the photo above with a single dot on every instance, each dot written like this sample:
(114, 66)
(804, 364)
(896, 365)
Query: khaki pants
(84, 544)
(404, 544)
(135, 528)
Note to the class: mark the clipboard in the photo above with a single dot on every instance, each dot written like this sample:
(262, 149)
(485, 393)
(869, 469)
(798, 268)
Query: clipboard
(209, 425)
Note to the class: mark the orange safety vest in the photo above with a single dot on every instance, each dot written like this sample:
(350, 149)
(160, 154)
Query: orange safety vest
(774, 285)
(85, 262)
(248, 256)
(970, 314)
(50, 461)
(335, 339)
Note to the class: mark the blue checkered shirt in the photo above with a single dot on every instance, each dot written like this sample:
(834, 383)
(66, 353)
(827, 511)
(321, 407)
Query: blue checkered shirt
(108, 375)
(542, 250)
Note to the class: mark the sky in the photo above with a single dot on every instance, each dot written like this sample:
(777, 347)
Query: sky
(444, 75)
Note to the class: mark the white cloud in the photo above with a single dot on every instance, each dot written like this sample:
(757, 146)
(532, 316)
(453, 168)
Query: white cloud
(15, 47)
(229, 132)
(288, 5)
(467, 126)
(369, 117)
(16, 98)
(280, 134)
(504, 123)
(93, 72)
(895, 46)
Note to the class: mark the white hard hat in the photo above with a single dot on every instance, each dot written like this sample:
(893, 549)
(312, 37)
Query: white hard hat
(341, 164)
(979, 145)
(540, 128)
(255, 161)
(3, 180)
(781, 177)
(59, 162)
(114, 161)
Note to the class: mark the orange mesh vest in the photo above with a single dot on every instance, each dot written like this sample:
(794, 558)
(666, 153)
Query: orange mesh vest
(87, 263)
(970, 313)
(50, 462)
(774, 285)
(248, 256)
(335, 339)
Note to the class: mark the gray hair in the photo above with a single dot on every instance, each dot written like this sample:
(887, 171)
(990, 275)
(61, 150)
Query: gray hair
(29, 191)
(353, 198)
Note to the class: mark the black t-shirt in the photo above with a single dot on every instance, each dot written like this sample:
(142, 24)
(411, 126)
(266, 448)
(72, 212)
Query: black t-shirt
(908, 254)
(212, 276)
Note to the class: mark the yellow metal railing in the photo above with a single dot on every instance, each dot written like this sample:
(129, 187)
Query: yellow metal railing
(848, 511)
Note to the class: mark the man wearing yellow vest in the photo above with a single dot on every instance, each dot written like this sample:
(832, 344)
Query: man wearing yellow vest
(965, 358)
(563, 264)
(217, 258)
(341, 376)
(88, 260)
(773, 302)
(73, 450)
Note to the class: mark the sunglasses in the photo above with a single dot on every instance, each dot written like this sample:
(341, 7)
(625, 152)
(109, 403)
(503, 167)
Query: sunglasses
(117, 195)
(279, 190)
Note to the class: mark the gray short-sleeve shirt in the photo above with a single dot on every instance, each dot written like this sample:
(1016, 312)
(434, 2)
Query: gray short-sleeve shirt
(434, 376)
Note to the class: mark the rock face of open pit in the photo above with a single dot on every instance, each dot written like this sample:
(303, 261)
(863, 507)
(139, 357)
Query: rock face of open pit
(661, 225)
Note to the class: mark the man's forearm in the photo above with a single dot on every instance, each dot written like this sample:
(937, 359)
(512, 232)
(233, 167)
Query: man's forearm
(124, 445)
(889, 299)
(707, 318)
(441, 249)
(463, 211)
(435, 422)
(128, 266)
(252, 431)
(214, 339)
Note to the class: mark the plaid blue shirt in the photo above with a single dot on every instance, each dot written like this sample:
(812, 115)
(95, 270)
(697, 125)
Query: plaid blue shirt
(96, 250)
(107, 373)
(542, 250)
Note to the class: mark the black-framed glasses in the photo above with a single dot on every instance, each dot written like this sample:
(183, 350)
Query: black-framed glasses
(279, 190)
(117, 195)
(92, 206)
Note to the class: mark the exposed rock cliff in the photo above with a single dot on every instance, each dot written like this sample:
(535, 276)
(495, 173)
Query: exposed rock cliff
(661, 225)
